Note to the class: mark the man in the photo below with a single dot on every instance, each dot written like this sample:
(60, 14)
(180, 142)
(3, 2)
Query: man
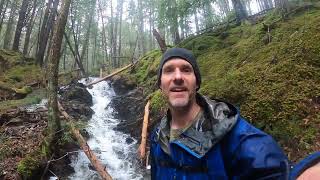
(201, 138)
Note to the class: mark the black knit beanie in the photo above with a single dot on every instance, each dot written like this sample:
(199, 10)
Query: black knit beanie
(180, 53)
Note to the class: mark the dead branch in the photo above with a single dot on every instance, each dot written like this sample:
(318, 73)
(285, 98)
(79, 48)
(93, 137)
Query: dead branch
(142, 147)
(110, 75)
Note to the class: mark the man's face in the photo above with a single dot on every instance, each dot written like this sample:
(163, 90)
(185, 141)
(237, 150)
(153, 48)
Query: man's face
(178, 83)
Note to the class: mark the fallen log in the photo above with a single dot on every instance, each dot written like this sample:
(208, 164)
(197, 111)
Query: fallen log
(85, 147)
(142, 147)
(110, 75)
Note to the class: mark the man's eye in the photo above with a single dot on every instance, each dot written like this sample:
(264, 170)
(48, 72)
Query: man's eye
(187, 69)
(167, 70)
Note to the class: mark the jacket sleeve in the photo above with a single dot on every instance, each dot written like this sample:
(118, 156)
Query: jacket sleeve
(152, 156)
(258, 156)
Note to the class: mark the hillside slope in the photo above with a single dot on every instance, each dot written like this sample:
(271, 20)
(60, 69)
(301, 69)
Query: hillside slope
(270, 70)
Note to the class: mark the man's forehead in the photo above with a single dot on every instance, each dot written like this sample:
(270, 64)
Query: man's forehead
(177, 61)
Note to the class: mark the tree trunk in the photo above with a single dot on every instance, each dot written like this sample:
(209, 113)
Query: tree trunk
(120, 33)
(47, 24)
(142, 48)
(114, 38)
(174, 23)
(3, 9)
(29, 28)
(76, 57)
(8, 33)
(161, 41)
(20, 24)
(86, 41)
(240, 10)
(111, 35)
(208, 14)
(53, 70)
(104, 34)
(76, 38)
(94, 50)
(196, 20)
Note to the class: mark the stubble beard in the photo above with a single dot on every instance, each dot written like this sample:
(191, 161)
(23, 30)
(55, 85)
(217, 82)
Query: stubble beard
(182, 104)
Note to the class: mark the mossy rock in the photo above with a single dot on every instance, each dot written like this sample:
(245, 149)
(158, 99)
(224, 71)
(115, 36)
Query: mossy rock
(28, 165)
(24, 90)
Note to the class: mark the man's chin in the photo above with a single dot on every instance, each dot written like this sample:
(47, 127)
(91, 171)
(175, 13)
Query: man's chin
(179, 104)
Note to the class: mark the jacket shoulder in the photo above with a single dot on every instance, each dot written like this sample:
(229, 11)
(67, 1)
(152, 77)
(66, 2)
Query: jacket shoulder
(252, 153)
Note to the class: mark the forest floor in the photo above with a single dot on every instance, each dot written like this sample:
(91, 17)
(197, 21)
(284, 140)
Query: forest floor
(23, 151)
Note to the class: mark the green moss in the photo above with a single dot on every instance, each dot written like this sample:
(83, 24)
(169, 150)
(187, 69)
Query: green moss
(32, 98)
(24, 90)
(158, 102)
(28, 165)
(23, 74)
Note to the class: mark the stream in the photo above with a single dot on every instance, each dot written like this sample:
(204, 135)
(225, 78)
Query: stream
(116, 150)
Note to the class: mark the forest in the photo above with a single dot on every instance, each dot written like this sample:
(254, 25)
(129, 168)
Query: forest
(262, 55)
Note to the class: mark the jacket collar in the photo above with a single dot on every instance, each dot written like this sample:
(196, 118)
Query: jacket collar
(218, 119)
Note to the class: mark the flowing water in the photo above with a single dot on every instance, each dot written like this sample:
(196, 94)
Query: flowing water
(116, 150)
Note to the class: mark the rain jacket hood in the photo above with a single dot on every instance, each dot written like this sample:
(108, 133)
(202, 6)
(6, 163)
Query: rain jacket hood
(207, 133)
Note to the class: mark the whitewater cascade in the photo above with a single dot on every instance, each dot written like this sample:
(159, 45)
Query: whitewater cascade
(115, 149)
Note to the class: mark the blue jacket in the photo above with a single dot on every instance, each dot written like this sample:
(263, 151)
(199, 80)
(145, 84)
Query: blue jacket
(221, 145)
(304, 164)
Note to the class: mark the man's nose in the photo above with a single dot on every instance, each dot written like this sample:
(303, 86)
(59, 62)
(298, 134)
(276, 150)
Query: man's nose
(178, 76)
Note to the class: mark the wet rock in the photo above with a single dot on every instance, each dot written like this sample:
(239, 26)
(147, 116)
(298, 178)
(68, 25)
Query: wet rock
(129, 140)
(77, 92)
(85, 134)
(77, 101)
(129, 108)
(122, 85)
(91, 167)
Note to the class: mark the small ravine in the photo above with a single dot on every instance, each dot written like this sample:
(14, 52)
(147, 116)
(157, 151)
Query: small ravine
(116, 150)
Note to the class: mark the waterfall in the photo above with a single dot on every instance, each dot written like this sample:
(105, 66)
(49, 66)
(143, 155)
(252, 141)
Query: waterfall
(115, 149)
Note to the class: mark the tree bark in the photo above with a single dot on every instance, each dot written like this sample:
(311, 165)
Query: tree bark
(76, 57)
(240, 10)
(104, 34)
(111, 34)
(161, 41)
(174, 26)
(196, 20)
(20, 24)
(87, 37)
(47, 24)
(120, 33)
(142, 48)
(8, 33)
(29, 28)
(53, 70)
(3, 9)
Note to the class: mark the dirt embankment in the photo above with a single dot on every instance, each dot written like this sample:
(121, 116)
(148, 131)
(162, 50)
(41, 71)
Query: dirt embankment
(23, 153)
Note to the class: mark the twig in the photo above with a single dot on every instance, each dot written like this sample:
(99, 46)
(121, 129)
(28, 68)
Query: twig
(53, 174)
(53, 160)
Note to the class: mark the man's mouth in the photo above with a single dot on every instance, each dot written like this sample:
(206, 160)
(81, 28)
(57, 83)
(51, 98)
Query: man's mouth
(178, 89)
